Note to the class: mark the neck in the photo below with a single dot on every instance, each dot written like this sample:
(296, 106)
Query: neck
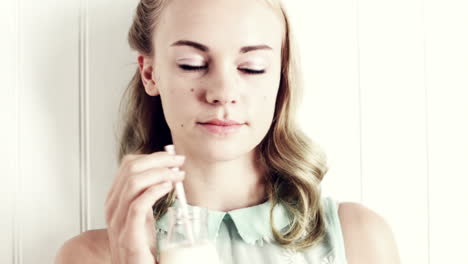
(224, 185)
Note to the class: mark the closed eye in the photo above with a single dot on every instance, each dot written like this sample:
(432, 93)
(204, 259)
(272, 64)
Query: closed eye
(199, 68)
(192, 68)
(249, 71)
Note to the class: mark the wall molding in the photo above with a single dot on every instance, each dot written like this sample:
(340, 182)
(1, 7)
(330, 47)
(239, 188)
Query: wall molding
(84, 116)
(18, 194)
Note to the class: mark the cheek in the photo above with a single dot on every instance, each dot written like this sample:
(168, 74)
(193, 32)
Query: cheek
(177, 103)
(267, 101)
(177, 118)
(267, 96)
(265, 107)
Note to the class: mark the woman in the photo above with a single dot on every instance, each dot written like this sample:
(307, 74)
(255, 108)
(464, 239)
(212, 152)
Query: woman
(202, 63)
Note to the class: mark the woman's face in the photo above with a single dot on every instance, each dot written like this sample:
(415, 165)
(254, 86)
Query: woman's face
(232, 82)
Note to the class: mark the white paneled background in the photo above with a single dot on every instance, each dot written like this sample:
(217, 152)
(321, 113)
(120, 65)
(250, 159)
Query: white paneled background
(386, 96)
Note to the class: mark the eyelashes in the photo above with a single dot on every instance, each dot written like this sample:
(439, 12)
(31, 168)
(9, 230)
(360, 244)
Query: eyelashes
(200, 68)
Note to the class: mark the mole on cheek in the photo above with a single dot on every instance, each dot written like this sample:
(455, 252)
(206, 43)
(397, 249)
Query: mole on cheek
(192, 90)
(181, 125)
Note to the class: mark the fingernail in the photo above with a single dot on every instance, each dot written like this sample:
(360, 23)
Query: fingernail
(179, 158)
(166, 185)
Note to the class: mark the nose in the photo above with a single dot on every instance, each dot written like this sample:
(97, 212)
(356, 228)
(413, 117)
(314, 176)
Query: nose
(223, 87)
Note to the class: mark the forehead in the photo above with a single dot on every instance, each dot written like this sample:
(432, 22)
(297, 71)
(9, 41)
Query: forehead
(220, 24)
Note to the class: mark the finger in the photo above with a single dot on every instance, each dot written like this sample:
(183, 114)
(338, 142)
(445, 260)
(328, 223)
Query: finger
(140, 163)
(137, 184)
(160, 159)
(133, 164)
(111, 192)
(135, 218)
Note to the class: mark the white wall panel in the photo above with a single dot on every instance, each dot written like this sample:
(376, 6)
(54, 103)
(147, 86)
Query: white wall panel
(391, 62)
(447, 93)
(9, 130)
(49, 132)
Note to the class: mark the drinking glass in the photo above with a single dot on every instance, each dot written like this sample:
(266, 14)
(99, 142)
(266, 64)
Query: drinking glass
(187, 239)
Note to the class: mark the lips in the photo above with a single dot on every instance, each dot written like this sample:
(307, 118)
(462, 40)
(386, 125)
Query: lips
(222, 130)
(218, 122)
(222, 127)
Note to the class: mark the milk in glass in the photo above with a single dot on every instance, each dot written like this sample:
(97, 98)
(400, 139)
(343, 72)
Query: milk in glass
(187, 239)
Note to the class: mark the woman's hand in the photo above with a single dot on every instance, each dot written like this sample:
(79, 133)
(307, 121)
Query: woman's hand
(141, 181)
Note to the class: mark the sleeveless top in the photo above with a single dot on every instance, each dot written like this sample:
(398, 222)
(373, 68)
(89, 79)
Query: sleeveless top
(244, 236)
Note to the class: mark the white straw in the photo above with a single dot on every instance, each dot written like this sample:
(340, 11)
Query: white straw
(181, 195)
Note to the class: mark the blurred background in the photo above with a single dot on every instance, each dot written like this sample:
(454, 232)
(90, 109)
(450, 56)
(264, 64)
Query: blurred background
(386, 97)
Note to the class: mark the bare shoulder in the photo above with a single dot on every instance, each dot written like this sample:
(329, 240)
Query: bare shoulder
(368, 237)
(88, 247)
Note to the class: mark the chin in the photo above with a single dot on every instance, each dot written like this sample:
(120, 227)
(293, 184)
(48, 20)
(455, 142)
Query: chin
(222, 151)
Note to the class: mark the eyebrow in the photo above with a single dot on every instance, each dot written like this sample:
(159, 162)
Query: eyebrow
(204, 48)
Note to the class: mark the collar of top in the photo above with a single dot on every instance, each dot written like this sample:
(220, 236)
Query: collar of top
(252, 223)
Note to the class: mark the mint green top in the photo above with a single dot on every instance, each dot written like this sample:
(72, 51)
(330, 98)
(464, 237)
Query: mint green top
(243, 236)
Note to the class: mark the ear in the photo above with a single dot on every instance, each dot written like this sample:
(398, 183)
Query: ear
(145, 65)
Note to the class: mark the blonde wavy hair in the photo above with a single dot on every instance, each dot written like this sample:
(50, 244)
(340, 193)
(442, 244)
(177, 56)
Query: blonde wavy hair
(295, 165)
